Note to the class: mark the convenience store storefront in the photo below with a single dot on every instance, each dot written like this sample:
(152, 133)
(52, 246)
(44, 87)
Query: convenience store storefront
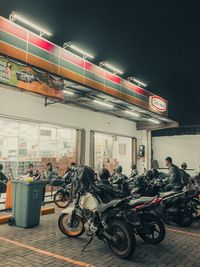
(25, 142)
(48, 110)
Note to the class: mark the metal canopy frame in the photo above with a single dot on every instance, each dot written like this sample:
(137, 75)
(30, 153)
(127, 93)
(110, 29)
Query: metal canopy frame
(83, 97)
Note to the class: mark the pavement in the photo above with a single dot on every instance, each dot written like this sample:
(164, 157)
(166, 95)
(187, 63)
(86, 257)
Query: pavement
(45, 245)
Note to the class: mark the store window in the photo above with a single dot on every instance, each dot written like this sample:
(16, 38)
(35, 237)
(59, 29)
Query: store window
(22, 143)
(112, 150)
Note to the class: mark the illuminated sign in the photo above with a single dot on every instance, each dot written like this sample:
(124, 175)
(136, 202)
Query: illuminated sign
(157, 103)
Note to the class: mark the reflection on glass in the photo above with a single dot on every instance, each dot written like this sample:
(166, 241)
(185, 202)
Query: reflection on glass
(111, 151)
(22, 143)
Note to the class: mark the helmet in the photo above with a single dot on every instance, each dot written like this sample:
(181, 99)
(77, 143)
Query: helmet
(104, 174)
(149, 174)
(184, 166)
(155, 173)
(119, 169)
(133, 166)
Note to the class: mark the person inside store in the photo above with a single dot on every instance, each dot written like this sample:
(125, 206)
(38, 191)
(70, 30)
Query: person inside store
(69, 174)
(3, 180)
(173, 177)
(71, 167)
(36, 175)
(50, 173)
(31, 172)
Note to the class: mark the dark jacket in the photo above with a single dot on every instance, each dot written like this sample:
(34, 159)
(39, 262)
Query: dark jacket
(185, 177)
(3, 181)
(3, 177)
(174, 176)
(107, 191)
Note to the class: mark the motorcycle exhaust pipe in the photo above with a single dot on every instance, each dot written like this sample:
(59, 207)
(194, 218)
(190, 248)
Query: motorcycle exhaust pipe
(109, 237)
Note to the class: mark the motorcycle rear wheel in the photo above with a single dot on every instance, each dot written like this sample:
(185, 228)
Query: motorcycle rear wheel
(64, 225)
(61, 199)
(125, 244)
(153, 229)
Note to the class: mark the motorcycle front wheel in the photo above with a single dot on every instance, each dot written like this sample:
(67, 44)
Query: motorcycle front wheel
(74, 230)
(61, 199)
(125, 243)
(152, 229)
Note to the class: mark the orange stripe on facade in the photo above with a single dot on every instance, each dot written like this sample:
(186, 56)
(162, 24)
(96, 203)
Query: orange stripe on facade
(41, 63)
(46, 253)
(12, 51)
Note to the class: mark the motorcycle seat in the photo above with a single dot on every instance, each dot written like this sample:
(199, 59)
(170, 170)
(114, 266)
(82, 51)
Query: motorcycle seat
(103, 206)
(140, 201)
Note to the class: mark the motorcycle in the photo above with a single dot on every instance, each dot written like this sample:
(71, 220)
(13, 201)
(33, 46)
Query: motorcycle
(144, 220)
(179, 207)
(90, 215)
(62, 196)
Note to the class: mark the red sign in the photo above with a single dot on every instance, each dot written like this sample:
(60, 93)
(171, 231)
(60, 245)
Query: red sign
(157, 103)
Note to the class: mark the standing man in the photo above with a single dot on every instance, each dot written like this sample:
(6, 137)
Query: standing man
(174, 176)
(50, 173)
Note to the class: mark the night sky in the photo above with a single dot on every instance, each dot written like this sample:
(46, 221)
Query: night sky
(157, 41)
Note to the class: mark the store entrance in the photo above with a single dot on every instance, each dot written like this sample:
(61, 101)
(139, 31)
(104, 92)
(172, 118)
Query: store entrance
(23, 143)
(113, 150)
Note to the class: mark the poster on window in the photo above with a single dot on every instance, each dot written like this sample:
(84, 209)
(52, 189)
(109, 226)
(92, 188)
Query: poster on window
(29, 78)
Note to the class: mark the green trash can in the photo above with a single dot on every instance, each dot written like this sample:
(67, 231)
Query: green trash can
(26, 203)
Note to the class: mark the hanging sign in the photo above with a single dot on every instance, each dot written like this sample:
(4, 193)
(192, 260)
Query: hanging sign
(157, 103)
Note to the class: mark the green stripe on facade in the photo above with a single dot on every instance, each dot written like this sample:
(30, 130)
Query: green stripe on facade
(67, 65)
(94, 77)
(113, 85)
(134, 94)
(12, 40)
(43, 54)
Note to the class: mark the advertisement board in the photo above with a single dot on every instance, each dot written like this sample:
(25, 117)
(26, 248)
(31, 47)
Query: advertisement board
(29, 78)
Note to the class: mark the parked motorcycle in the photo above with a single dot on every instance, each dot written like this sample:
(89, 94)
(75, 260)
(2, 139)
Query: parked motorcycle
(62, 196)
(144, 220)
(90, 215)
(180, 207)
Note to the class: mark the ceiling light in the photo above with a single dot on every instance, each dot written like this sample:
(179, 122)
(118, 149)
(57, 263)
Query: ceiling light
(14, 16)
(77, 49)
(166, 119)
(132, 113)
(139, 82)
(153, 120)
(103, 104)
(110, 67)
(132, 79)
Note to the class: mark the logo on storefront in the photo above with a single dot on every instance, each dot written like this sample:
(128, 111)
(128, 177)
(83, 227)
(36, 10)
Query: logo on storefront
(157, 103)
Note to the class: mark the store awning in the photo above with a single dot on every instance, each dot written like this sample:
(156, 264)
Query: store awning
(33, 64)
